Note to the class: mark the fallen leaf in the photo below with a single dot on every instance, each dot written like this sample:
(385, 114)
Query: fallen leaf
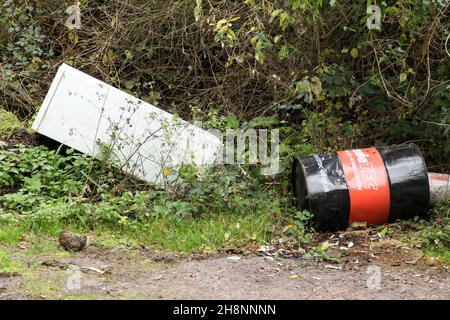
(329, 266)
(324, 246)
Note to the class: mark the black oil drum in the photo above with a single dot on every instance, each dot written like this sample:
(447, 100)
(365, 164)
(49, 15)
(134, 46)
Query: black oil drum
(373, 185)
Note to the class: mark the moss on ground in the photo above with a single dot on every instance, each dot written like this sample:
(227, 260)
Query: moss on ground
(8, 121)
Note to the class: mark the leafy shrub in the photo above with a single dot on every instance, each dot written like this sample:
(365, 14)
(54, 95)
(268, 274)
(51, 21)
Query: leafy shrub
(437, 233)
(39, 170)
(51, 189)
(284, 59)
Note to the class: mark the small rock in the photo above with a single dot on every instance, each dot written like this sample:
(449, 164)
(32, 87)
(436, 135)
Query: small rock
(72, 242)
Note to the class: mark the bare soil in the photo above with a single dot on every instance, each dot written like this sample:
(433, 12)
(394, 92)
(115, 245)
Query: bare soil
(21, 136)
(385, 271)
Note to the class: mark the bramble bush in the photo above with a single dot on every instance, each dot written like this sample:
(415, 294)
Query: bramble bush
(313, 65)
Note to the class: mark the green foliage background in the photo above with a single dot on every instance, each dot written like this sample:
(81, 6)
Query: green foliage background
(313, 65)
(310, 68)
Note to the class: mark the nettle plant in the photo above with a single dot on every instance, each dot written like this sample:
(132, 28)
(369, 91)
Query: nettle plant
(39, 170)
(23, 41)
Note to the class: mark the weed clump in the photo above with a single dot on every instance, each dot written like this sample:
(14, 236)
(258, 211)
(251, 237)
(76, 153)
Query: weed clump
(46, 191)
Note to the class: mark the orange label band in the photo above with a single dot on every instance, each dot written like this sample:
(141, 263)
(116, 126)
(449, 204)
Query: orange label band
(368, 185)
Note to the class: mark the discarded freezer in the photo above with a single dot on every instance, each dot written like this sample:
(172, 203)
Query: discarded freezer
(107, 123)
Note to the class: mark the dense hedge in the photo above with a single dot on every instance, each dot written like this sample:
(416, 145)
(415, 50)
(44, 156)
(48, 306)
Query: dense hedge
(312, 64)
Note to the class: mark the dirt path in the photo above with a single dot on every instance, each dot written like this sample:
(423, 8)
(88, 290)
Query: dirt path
(111, 274)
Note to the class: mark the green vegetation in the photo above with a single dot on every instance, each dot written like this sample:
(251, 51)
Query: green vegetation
(314, 65)
(229, 207)
(439, 254)
(310, 68)
(7, 266)
(435, 236)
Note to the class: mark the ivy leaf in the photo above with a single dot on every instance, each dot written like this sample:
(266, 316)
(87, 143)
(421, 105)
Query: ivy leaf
(316, 85)
(403, 77)
(277, 38)
(130, 84)
(296, 4)
(283, 54)
(303, 87)
(33, 183)
(198, 10)
(232, 122)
